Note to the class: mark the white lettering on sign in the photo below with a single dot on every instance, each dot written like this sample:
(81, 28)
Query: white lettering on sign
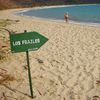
(25, 42)
(16, 43)
(32, 41)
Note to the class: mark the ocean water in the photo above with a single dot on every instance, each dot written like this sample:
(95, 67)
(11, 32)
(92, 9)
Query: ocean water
(77, 13)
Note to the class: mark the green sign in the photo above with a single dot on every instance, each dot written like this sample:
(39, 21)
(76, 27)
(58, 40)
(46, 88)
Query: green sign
(27, 41)
(24, 42)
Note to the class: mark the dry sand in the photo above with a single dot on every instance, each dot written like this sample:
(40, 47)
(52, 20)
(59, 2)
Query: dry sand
(67, 67)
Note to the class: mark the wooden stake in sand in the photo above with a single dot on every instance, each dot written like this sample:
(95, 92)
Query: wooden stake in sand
(29, 74)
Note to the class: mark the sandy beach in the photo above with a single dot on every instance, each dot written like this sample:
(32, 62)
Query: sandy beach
(67, 67)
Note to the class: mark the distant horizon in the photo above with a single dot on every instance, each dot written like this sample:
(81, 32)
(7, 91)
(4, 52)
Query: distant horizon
(8, 4)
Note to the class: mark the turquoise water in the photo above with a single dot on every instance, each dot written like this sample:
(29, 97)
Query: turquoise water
(79, 13)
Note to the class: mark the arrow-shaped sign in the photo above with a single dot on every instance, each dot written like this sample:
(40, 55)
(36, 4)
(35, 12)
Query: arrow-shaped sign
(24, 42)
(27, 41)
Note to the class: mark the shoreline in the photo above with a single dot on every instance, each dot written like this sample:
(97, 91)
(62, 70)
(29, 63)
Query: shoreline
(63, 21)
(57, 20)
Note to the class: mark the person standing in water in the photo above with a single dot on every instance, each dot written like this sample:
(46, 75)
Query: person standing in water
(66, 17)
